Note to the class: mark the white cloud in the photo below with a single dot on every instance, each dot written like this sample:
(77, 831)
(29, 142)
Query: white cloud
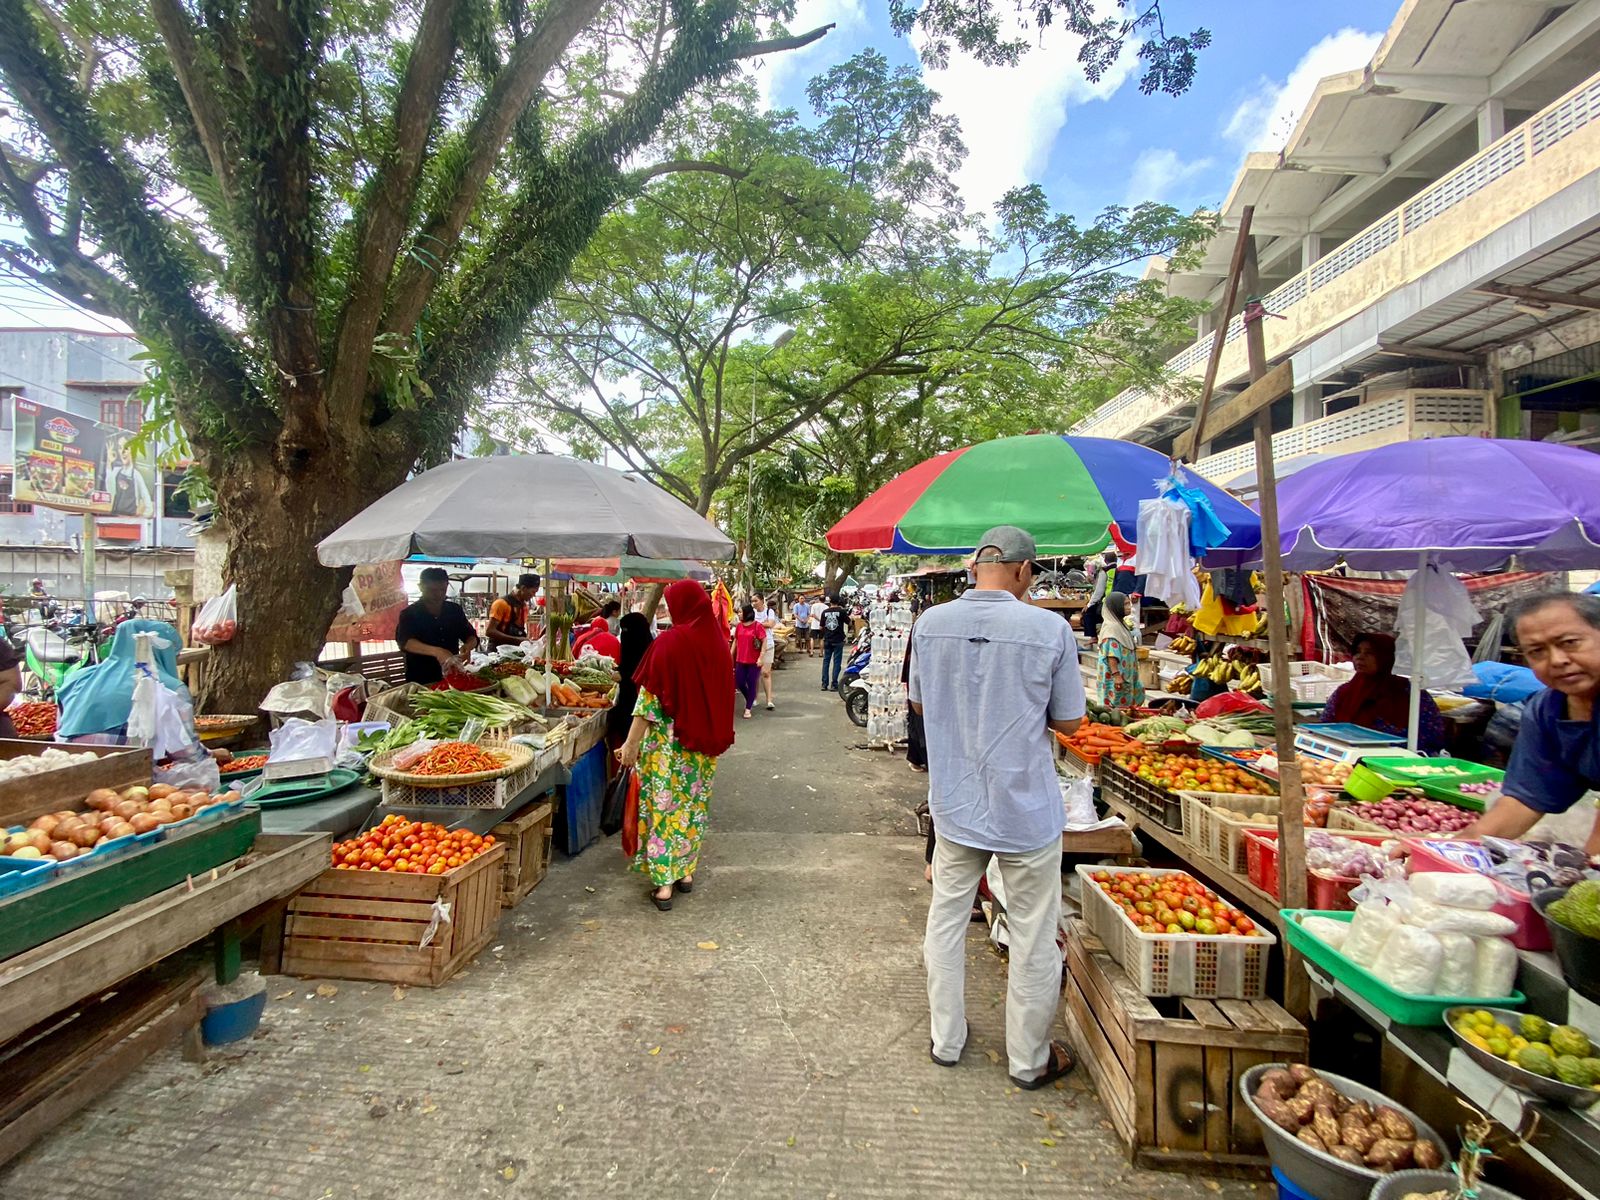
(1010, 116)
(1160, 175)
(1265, 119)
(774, 72)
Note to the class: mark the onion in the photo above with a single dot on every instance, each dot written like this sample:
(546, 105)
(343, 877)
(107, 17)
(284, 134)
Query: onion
(101, 799)
(39, 840)
(161, 790)
(143, 823)
(83, 835)
(136, 793)
(61, 851)
(181, 812)
(127, 809)
(163, 816)
(120, 829)
(47, 823)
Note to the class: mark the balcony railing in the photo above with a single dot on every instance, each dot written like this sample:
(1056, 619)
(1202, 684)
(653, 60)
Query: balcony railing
(1404, 232)
(1418, 413)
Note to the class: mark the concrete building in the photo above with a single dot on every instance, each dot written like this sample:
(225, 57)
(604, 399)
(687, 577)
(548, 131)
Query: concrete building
(90, 375)
(1429, 245)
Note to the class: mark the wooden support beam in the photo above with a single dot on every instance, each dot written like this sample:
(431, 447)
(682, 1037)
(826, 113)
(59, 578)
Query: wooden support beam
(1230, 297)
(1408, 350)
(1291, 826)
(1540, 296)
(1262, 394)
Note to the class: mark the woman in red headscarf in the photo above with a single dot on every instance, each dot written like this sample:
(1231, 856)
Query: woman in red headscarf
(1379, 699)
(600, 637)
(682, 723)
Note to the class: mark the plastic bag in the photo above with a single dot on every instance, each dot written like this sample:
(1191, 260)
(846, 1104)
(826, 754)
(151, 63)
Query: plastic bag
(1326, 929)
(404, 758)
(1409, 961)
(1228, 702)
(1440, 918)
(1447, 619)
(218, 620)
(1494, 973)
(624, 788)
(1455, 890)
(297, 740)
(1077, 800)
(1457, 966)
(1370, 929)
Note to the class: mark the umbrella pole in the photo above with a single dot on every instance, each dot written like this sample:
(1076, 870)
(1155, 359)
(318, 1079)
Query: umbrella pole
(1418, 637)
(549, 637)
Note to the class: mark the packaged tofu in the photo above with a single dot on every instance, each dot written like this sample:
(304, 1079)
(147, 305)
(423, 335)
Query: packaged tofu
(1457, 967)
(1494, 972)
(1409, 961)
(1455, 890)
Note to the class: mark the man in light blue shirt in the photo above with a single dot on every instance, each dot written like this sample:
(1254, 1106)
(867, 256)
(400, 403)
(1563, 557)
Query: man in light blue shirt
(992, 676)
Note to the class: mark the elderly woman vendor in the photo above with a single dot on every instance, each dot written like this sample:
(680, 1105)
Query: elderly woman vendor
(1556, 759)
(1379, 699)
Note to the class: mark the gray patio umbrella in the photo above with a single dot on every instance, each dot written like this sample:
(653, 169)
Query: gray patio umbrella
(524, 506)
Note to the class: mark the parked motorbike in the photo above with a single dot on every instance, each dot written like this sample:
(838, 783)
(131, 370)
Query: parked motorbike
(857, 662)
(855, 701)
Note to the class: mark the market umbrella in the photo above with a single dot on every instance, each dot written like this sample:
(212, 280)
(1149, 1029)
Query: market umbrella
(1065, 491)
(629, 566)
(1461, 503)
(524, 506)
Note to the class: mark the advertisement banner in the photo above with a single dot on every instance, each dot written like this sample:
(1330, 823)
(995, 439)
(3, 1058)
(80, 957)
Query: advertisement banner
(372, 605)
(76, 464)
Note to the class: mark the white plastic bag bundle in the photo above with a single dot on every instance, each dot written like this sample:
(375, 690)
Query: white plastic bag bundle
(218, 620)
(1455, 890)
(1077, 801)
(1409, 961)
(297, 740)
(1370, 931)
(1458, 965)
(1448, 618)
(1494, 973)
(1440, 918)
(1326, 929)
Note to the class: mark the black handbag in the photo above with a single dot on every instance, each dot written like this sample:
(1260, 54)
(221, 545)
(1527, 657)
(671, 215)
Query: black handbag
(615, 807)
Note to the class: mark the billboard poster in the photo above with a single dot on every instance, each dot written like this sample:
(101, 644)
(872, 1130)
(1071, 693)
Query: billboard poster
(77, 464)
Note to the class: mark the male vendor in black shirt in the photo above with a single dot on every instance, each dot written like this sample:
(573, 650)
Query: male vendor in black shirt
(434, 631)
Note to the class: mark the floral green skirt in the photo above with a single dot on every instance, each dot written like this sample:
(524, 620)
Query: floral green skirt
(674, 797)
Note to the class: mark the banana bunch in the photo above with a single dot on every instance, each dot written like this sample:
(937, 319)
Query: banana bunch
(1181, 685)
(1261, 626)
(1250, 680)
(1182, 645)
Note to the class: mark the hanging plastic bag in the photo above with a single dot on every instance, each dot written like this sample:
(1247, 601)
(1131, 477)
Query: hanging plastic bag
(297, 740)
(218, 620)
(1077, 800)
(612, 812)
(1447, 620)
(164, 721)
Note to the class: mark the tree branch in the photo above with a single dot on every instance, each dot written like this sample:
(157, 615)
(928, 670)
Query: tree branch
(383, 218)
(778, 45)
(199, 91)
(514, 88)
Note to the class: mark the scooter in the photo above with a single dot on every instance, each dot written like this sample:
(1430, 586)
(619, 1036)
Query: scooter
(855, 701)
(860, 657)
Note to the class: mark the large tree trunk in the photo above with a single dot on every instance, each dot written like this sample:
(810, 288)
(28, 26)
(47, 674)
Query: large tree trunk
(287, 599)
(836, 570)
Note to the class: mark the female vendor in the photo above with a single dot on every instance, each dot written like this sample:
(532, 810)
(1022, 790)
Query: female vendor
(1379, 699)
(1556, 758)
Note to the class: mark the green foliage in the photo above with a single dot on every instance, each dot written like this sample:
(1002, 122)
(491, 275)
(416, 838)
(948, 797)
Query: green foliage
(978, 28)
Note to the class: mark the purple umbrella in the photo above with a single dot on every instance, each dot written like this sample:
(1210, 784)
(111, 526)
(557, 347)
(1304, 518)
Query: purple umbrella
(1466, 504)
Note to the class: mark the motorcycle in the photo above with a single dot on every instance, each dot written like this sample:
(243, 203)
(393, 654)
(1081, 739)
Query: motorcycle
(855, 701)
(857, 663)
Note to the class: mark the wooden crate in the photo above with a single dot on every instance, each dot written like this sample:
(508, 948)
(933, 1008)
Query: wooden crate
(527, 839)
(30, 796)
(370, 924)
(1167, 1070)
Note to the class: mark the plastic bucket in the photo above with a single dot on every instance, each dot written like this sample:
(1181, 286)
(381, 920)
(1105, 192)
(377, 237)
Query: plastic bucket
(234, 1020)
(1366, 784)
(1287, 1189)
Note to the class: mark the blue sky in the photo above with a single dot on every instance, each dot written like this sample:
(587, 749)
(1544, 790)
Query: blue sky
(1089, 145)
(1098, 145)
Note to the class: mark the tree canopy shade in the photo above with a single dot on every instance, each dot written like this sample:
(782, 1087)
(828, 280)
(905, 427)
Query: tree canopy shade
(977, 27)
(327, 221)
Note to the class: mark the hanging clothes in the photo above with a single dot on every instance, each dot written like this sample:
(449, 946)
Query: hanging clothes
(1234, 585)
(1164, 552)
(1206, 530)
(1213, 619)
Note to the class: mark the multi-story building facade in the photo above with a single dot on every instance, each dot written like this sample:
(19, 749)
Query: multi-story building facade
(95, 376)
(1429, 247)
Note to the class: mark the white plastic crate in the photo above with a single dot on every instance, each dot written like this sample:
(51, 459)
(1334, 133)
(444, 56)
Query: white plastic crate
(489, 793)
(1171, 964)
(1308, 681)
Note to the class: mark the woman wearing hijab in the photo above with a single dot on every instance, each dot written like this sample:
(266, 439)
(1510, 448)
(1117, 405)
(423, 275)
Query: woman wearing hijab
(749, 656)
(600, 638)
(682, 723)
(633, 633)
(1120, 686)
(99, 699)
(1379, 699)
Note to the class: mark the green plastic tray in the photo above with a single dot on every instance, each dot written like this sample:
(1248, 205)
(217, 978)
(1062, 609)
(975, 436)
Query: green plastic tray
(236, 776)
(1406, 770)
(302, 791)
(1400, 1006)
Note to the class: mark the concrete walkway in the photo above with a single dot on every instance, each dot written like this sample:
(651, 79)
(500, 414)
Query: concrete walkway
(766, 1038)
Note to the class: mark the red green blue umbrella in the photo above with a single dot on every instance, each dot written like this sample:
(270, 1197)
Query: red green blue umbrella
(1066, 491)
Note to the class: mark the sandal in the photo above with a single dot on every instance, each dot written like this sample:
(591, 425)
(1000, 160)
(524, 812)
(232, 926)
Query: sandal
(663, 905)
(685, 886)
(1061, 1064)
(941, 1062)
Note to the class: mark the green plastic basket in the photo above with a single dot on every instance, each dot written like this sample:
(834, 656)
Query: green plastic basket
(1428, 770)
(1400, 1006)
